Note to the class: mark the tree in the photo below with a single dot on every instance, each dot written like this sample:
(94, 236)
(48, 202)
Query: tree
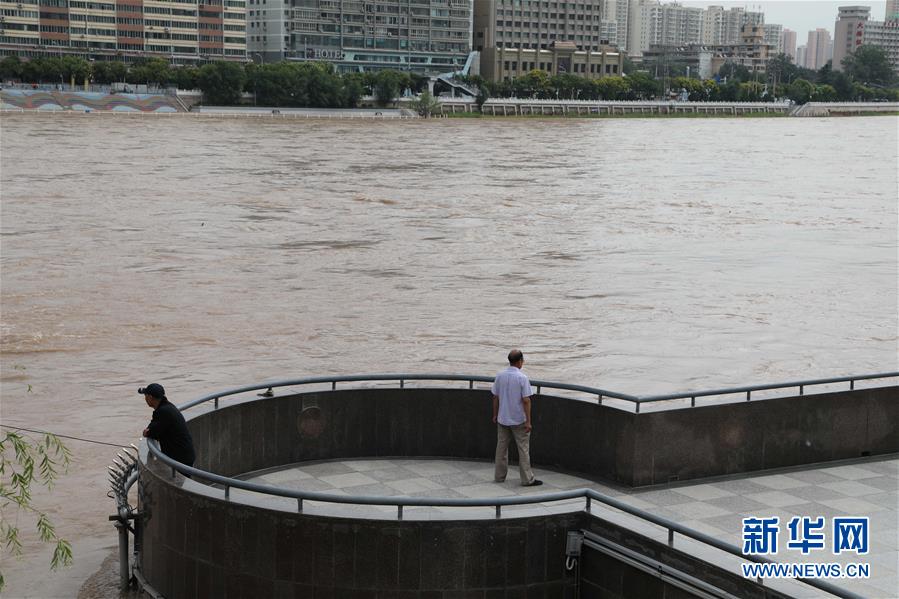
(386, 87)
(10, 68)
(613, 88)
(221, 82)
(869, 65)
(732, 71)
(801, 91)
(842, 84)
(825, 93)
(426, 105)
(23, 462)
(483, 96)
(643, 86)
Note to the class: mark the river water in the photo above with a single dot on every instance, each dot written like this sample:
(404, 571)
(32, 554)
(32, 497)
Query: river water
(637, 255)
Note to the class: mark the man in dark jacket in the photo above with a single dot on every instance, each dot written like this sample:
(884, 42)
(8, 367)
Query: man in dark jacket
(168, 426)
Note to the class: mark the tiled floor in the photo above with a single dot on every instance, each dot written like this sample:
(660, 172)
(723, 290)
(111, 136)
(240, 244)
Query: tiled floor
(715, 508)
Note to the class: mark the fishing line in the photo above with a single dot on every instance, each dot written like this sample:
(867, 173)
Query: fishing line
(19, 428)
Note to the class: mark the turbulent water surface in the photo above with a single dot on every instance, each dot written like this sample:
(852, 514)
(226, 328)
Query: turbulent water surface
(642, 256)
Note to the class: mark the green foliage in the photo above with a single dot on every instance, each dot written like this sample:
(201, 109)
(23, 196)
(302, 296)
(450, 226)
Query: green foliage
(483, 95)
(801, 91)
(221, 82)
(387, 86)
(732, 71)
(613, 88)
(10, 68)
(643, 86)
(426, 104)
(870, 66)
(152, 71)
(825, 93)
(23, 462)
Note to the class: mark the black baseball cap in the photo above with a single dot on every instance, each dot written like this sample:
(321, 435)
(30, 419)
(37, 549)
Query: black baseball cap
(153, 390)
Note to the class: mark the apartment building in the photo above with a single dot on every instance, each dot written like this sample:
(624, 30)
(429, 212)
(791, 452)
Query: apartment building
(422, 36)
(182, 32)
(652, 23)
(774, 37)
(723, 25)
(789, 44)
(854, 28)
(819, 49)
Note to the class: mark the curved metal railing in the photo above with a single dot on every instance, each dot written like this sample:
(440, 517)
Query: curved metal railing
(598, 393)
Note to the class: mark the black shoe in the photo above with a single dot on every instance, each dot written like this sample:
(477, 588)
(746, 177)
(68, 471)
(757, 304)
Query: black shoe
(533, 483)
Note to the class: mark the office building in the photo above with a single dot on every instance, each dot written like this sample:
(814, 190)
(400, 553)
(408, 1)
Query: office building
(854, 28)
(704, 60)
(801, 56)
(125, 29)
(789, 44)
(518, 36)
(423, 36)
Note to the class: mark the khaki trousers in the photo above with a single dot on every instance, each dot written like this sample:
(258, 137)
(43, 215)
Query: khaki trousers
(504, 435)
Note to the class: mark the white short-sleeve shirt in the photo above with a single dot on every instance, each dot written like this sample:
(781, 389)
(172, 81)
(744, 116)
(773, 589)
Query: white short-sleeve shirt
(510, 386)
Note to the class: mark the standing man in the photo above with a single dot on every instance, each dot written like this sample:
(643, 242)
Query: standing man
(512, 415)
(168, 426)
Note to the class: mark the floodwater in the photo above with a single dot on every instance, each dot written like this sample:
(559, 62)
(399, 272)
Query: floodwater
(639, 255)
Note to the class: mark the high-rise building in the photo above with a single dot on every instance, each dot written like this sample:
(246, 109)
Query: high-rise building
(801, 56)
(774, 37)
(423, 36)
(616, 11)
(723, 25)
(853, 29)
(518, 36)
(111, 29)
(652, 23)
(819, 49)
(789, 44)
(892, 14)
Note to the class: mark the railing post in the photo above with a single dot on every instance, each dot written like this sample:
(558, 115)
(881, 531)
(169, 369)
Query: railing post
(800, 389)
(671, 537)
(747, 395)
(599, 400)
(216, 403)
(399, 512)
(851, 384)
(333, 385)
(471, 384)
(499, 511)
(300, 504)
(402, 383)
(693, 402)
(124, 570)
(637, 409)
(538, 389)
(174, 473)
(587, 506)
(227, 493)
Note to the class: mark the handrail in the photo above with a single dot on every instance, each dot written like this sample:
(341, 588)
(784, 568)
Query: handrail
(497, 502)
(539, 384)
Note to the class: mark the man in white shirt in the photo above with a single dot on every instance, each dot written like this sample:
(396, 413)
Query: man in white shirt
(512, 415)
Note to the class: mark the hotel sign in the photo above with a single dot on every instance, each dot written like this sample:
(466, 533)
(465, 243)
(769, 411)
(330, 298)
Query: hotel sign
(325, 54)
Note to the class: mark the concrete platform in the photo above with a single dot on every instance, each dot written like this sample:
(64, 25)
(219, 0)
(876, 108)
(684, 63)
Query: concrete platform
(715, 507)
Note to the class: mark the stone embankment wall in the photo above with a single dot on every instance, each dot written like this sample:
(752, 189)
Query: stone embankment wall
(51, 100)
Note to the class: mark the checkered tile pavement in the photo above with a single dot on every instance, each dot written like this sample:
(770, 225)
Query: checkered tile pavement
(716, 508)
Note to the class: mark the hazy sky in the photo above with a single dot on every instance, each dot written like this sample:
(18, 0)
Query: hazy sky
(801, 16)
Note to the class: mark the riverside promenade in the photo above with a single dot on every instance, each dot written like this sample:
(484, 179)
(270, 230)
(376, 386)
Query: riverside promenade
(354, 484)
